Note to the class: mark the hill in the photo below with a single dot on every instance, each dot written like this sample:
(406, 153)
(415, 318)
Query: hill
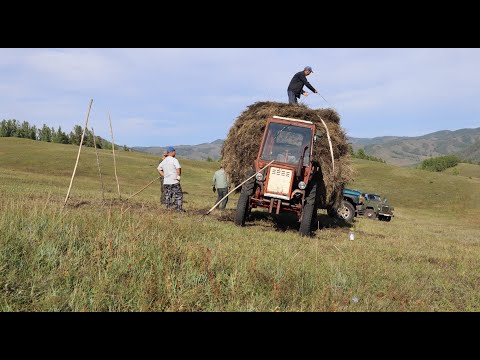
(407, 151)
(471, 153)
(463, 169)
(395, 150)
(135, 256)
(194, 152)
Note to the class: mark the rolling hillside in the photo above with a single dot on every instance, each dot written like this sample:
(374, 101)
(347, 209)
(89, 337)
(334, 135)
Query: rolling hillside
(401, 151)
(194, 152)
(407, 151)
(471, 153)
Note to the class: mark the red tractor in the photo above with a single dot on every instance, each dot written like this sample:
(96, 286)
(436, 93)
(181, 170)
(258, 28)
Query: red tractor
(291, 183)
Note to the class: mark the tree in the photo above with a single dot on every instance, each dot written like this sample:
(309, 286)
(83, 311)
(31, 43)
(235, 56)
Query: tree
(62, 138)
(350, 150)
(76, 135)
(45, 134)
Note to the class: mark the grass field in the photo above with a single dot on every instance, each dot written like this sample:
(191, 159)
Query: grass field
(467, 170)
(135, 256)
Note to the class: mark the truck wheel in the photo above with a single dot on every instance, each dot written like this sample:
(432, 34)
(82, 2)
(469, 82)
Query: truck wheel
(346, 211)
(308, 211)
(369, 213)
(244, 201)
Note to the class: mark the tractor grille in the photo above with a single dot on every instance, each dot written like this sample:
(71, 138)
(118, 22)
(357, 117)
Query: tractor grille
(279, 183)
(385, 209)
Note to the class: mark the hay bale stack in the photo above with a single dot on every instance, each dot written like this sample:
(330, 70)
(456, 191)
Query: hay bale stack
(241, 146)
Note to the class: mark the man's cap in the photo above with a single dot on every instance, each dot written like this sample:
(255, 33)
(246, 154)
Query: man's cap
(309, 68)
(170, 149)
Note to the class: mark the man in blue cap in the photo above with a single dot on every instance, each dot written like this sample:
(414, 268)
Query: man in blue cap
(171, 170)
(295, 88)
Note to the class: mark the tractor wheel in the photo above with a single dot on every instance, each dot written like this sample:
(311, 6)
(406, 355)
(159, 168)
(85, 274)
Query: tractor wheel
(241, 213)
(369, 213)
(243, 205)
(308, 211)
(346, 211)
(388, 218)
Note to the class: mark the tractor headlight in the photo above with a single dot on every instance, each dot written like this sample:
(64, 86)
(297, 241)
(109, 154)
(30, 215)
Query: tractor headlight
(302, 185)
(259, 177)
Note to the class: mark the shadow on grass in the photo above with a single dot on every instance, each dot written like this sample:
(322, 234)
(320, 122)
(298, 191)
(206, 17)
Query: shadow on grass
(282, 222)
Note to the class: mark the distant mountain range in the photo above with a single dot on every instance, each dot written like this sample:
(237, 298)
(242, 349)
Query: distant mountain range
(195, 152)
(407, 151)
(396, 150)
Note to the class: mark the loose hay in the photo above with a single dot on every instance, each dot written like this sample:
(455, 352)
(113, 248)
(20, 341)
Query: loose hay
(241, 146)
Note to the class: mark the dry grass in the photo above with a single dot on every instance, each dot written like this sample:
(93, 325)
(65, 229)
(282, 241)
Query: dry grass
(139, 257)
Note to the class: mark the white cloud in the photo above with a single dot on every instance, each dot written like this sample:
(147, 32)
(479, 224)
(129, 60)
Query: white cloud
(167, 91)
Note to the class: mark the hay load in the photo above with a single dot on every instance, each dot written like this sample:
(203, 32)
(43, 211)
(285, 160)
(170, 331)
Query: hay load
(241, 146)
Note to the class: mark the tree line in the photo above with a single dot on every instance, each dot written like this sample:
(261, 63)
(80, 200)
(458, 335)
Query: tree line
(13, 128)
(361, 154)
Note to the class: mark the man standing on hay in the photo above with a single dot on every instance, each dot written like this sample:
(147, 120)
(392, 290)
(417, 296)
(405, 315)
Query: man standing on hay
(171, 170)
(295, 88)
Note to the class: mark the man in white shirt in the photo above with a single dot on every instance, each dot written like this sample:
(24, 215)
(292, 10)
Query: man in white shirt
(171, 170)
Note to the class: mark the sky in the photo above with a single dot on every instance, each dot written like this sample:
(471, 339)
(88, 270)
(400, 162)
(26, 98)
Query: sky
(188, 96)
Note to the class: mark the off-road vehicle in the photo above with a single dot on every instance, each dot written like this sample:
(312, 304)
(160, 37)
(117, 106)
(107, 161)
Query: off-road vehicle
(291, 182)
(376, 207)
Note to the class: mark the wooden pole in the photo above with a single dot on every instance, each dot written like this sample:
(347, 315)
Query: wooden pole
(114, 162)
(138, 192)
(98, 163)
(78, 156)
(214, 206)
(329, 143)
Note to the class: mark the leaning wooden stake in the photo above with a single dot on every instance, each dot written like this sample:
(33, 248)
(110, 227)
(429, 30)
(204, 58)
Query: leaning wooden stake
(138, 192)
(214, 206)
(78, 156)
(98, 163)
(329, 143)
(114, 162)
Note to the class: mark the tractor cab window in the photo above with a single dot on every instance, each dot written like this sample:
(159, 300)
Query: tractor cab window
(285, 143)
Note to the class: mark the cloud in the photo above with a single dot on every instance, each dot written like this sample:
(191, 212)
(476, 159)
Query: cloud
(165, 93)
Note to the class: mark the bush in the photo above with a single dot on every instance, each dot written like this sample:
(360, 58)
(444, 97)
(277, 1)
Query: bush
(440, 163)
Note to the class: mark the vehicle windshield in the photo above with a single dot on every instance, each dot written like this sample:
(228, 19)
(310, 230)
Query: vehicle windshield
(373, 197)
(285, 143)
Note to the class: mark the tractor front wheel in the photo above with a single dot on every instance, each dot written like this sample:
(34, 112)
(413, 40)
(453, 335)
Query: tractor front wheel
(308, 210)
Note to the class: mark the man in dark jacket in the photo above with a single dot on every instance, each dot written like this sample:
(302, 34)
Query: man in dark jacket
(295, 88)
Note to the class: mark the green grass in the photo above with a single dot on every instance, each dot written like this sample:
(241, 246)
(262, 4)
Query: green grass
(467, 170)
(138, 257)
